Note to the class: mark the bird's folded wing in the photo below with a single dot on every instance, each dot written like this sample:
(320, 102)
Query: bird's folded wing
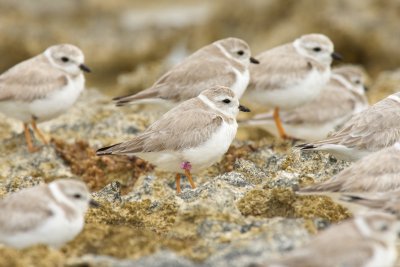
(331, 104)
(30, 80)
(370, 129)
(375, 172)
(174, 132)
(278, 69)
(187, 80)
(23, 212)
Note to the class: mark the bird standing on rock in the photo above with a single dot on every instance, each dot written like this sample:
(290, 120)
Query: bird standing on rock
(188, 138)
(291, 75)
(43, 87)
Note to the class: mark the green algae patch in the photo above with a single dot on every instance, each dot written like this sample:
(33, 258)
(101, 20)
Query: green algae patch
(119, 241)
(34, 256)
(97, 171)
(144, 214)
(132, 230)
(312, 206)
(136, 229)
(268, 203)
(284, 202)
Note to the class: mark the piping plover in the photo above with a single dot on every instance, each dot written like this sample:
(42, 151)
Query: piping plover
(42, 87)
(377, 172)
(291, 75)
(366, 240)
(224, 62)
(367, 131)
(188, 138)
(50, 214)
(342, 97)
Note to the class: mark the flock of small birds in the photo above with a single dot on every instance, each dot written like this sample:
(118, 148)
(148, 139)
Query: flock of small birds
(309, 101)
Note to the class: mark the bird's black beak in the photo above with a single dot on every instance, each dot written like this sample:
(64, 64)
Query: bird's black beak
(336, 56)
(94, 203)
(254, 61)
(365, 88)
(243, 108)
(84, 68)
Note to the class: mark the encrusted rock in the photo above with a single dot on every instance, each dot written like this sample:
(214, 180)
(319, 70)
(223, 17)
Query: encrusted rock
(243, 207)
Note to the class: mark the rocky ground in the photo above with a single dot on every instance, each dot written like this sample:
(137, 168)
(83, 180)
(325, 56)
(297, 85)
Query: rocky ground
(243, 210)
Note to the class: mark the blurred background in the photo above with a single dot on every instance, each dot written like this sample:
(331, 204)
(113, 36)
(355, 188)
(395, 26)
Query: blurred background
(129, 43)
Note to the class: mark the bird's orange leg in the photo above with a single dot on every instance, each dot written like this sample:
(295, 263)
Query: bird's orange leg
(28, 139)
(186, 166)
(178, 183)
(278, 124)
(38, 132)
(189, 176)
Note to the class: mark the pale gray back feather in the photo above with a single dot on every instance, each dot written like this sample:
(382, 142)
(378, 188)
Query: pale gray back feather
(24, 210)
(372, 129)
(31, 79)
(203, 69)
(333, 102)
(279, 68)
(188, 125)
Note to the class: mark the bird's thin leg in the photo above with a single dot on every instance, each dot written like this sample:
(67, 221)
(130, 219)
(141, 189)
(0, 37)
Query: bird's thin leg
(189, 176)
(187, 167)
(278, 124)
(178, 183)
(28, 138)
(38, 132)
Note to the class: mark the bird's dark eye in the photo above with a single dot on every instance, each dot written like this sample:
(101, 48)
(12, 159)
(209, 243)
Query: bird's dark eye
(65, 59)
(391, 211)
(317, 49)
(384, 228)
(240, 53)
(77, 196)
(357, 82)
(226, 101)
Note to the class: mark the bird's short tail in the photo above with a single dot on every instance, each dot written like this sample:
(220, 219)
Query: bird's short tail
(108, 150)
(351, 198)
(122, 100)
(135, 98)
(306, 146)
(365, 200)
